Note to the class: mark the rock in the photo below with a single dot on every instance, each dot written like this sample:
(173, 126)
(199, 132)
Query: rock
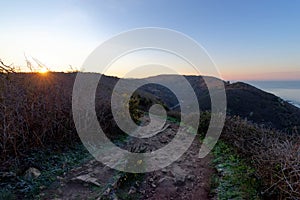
(87, 179)
(190, 177)
(90, 169)
(142, 191)
(114, 196)
(153, 185)
(93, 162)
(59, 191)
(116, 182)
(32, 173)
(220, 168)
(132, 190)
(179, 180)
(179, 175)
(178, 161)
(161, 180)
(164, 140)
(42, 187)
(106, 192)
(167, 178)
(137, 183)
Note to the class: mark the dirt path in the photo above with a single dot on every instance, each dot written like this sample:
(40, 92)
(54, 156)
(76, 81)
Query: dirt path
(187, 178)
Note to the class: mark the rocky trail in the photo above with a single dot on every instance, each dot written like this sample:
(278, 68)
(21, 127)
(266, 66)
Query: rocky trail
(186, 178)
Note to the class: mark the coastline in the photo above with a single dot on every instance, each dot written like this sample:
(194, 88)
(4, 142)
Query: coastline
(287, 90)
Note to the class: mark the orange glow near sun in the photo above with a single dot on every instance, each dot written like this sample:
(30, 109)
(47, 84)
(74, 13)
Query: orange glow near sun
(43, 71)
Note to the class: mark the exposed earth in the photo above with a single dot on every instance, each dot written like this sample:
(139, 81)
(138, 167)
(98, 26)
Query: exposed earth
(186, 178)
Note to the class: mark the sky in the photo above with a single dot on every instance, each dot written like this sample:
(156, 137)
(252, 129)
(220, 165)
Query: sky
(247, 40)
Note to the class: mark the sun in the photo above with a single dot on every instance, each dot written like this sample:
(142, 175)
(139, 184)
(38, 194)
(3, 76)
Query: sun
(43, 71)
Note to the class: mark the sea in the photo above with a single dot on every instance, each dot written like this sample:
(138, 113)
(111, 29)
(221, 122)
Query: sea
(287, 90)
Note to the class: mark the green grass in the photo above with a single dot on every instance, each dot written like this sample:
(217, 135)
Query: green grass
(51, 164)
(235, 179)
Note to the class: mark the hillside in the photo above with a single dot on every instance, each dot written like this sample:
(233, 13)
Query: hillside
(45, 137)
(242, 99)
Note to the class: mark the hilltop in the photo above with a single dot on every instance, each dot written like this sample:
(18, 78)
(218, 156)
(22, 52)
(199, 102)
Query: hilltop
(243, 100)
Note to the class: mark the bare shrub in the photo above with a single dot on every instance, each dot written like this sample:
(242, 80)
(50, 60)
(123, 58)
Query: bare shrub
(36, 113)
(275, 156)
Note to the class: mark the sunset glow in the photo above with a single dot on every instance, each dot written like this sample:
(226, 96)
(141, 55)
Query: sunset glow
(240, 51)
(43, 71)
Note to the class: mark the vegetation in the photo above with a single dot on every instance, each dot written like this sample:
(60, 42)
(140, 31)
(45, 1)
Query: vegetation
(36, 114)
(35, 111)
(255, 160)
(51, 164)
(235, 179)
(274, 156)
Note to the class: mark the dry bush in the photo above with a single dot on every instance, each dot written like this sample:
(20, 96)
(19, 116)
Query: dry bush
(36, 113)
(275, 156)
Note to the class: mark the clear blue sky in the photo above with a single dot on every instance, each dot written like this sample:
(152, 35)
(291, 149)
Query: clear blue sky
(246, 39)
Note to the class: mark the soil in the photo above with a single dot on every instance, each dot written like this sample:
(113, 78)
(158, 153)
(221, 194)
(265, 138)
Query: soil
(186, 178)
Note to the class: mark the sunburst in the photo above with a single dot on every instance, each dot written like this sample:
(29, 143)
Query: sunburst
(43, 71)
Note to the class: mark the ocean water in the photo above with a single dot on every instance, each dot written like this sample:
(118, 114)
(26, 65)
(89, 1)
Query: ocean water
(287, 90)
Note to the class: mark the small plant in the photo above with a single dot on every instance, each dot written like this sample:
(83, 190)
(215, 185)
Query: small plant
(235, 180)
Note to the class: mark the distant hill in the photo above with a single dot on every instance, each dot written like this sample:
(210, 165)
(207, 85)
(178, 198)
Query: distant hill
(242, 99)
(262, 107)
